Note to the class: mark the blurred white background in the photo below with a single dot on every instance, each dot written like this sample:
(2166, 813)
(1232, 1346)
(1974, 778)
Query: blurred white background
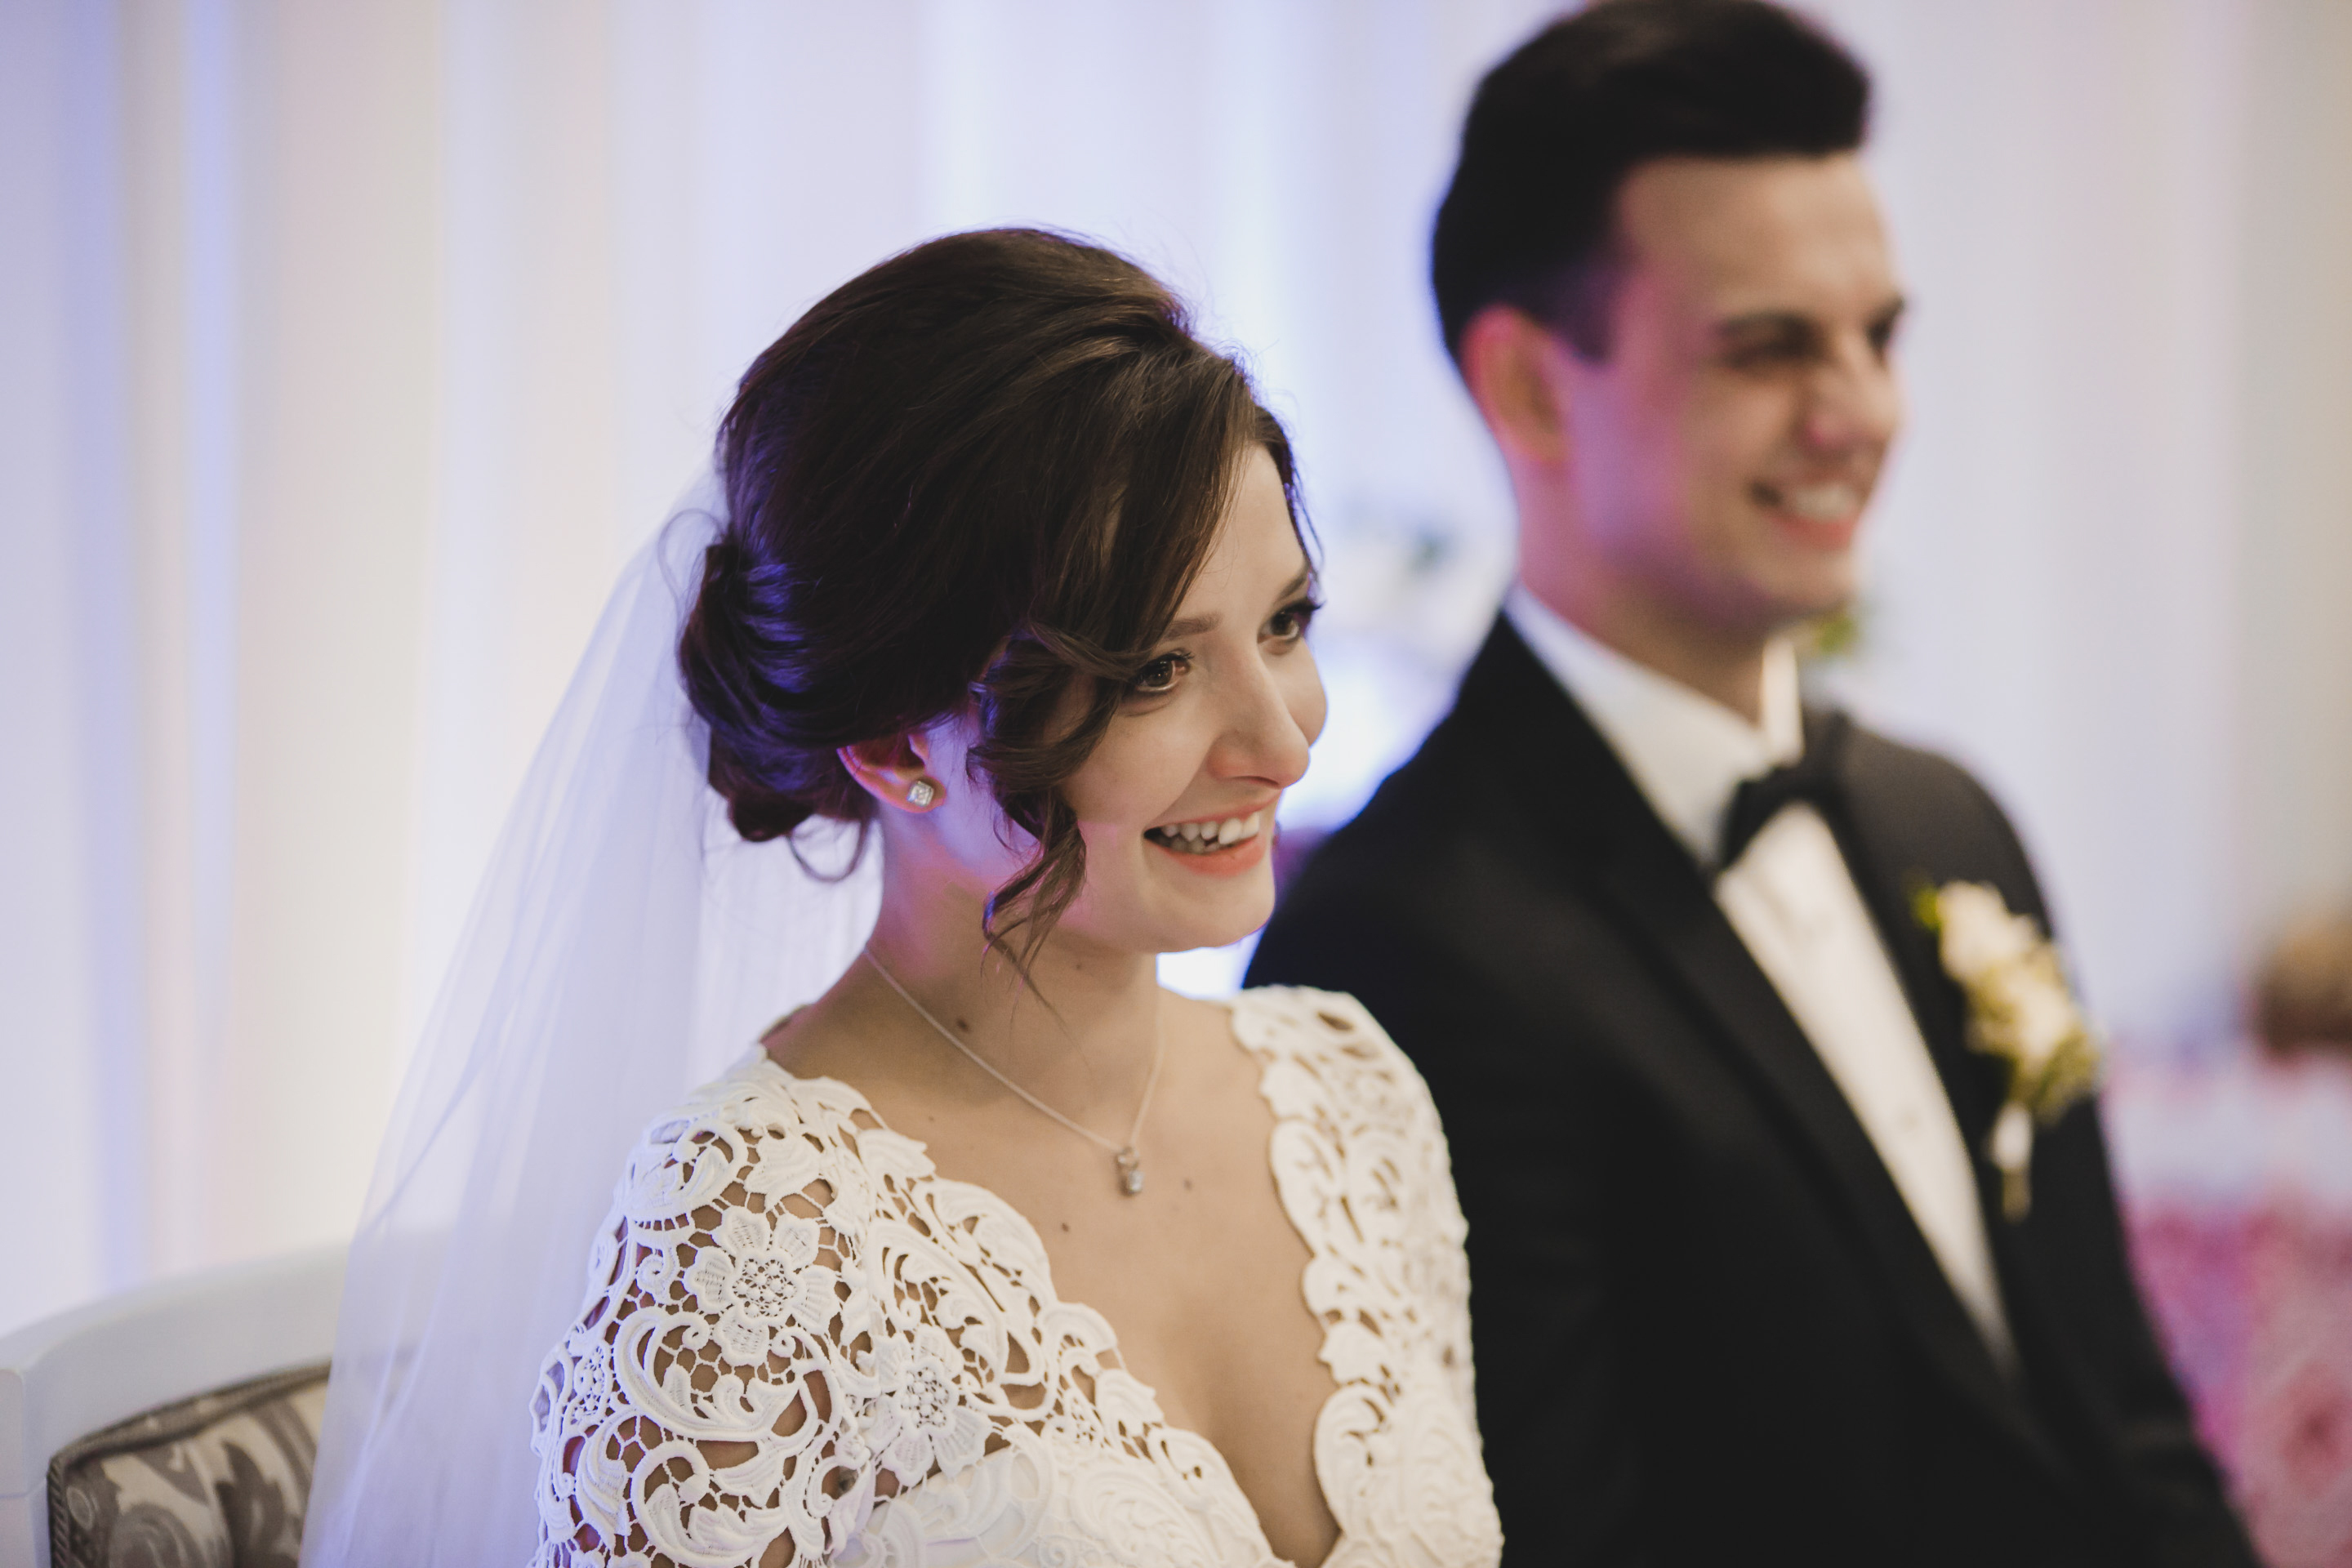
(349, 348)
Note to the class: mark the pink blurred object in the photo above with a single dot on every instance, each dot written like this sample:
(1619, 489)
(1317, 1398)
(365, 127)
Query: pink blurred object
(2237, 1182)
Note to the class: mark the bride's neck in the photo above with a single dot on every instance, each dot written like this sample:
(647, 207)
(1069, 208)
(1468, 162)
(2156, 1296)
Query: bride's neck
(1085, 1014)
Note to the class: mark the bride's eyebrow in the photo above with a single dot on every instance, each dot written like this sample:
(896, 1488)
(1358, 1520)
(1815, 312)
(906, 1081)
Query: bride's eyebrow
(1202, 625)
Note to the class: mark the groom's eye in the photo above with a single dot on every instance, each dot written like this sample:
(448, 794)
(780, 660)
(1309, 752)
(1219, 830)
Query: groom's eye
(1881, 330)
(1770, 341)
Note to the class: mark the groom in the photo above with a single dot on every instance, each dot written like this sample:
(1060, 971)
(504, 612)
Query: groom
(1747, 1284)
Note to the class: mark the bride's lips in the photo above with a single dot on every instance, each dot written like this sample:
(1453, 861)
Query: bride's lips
(1215, 846)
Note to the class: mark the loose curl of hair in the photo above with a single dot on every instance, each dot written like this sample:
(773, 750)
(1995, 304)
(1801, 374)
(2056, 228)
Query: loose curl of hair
(977, 478)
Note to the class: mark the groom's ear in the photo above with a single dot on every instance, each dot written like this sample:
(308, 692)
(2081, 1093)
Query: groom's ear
(1510, 363)
(889, 767)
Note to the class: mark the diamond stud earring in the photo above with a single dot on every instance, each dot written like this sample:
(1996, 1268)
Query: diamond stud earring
(922, 793)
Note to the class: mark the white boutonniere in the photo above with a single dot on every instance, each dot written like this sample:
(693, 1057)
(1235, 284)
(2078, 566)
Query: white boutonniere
(2021, 1010)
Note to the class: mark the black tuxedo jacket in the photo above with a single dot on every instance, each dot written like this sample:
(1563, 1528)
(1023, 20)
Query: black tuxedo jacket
(1708, 1329)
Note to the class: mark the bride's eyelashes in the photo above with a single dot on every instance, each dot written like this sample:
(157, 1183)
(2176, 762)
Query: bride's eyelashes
(1161, 676)
(1289, 623)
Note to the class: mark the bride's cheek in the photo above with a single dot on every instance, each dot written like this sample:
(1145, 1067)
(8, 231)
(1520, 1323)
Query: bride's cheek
(982, 840)
(1126, 786)
(1303, 691)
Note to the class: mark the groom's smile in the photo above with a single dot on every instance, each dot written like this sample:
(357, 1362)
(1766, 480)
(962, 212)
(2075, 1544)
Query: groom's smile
(1745, 408)
(1822, 515)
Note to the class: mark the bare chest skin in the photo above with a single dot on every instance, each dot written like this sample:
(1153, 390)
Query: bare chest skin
(1200, 1274)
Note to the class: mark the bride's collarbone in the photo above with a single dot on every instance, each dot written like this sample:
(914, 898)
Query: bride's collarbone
(1206, 1240)
(1199, 1275)
(1199, 1278)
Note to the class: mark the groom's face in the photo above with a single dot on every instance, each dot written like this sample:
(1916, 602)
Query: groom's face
(1726, 445)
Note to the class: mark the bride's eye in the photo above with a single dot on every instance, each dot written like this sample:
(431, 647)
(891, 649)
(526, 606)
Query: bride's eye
(1159, 676)
(1290, 622)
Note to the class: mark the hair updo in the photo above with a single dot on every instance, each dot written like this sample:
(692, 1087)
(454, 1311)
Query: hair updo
(975, 479)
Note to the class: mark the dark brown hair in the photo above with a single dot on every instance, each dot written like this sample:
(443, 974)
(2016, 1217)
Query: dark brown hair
(979, 478)
(1555, 129)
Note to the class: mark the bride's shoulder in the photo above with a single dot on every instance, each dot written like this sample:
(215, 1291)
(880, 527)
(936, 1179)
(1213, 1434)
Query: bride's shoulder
(755, 1093)
(756, 1134)
(1336, 1043)
(730, 1302)
(1300, 1015)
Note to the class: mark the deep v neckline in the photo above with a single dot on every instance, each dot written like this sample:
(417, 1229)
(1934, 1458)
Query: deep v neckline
(1267, 1062)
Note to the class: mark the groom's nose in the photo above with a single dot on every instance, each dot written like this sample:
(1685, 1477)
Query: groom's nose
(1852, 399)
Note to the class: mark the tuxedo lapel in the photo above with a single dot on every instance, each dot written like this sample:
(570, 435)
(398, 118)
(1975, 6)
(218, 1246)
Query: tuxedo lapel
(1888, 880)
(1610, 841)
(1888, 872)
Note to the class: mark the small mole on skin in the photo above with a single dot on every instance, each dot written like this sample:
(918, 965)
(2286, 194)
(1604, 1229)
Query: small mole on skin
(1066, 1225)
(964, 1024)
(1188, 1184)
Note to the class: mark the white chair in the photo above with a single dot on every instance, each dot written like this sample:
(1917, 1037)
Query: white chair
(82, 1370)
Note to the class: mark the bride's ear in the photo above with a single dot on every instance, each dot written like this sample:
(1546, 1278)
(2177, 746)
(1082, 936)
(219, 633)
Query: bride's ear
(896, 770)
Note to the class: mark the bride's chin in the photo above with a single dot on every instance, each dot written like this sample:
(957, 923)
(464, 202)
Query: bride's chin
(1239, 915)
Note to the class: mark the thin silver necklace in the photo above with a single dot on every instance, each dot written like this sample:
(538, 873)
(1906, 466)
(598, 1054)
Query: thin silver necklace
(1130, 1164)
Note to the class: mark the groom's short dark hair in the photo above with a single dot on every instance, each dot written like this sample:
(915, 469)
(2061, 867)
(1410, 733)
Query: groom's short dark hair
(1555, 130)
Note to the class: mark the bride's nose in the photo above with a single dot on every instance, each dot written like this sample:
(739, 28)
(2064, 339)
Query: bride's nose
(1273, 714)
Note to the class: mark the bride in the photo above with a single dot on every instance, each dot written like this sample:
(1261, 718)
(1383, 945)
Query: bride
(993, 1251)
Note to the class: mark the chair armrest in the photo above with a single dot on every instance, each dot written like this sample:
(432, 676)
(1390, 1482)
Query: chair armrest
(72, 1374)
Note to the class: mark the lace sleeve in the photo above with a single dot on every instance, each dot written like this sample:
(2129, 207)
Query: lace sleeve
(722, 1398)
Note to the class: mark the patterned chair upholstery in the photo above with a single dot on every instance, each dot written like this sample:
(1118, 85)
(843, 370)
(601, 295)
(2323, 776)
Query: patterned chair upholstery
(173, 1426)
(221, 1480)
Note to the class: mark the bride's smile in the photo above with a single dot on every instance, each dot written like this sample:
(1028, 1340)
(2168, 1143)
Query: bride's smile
(1175, 805)
(1225, 713)
(1220, 849)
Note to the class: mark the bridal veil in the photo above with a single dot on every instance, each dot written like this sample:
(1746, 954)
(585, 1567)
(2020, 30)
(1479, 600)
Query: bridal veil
(626, 946)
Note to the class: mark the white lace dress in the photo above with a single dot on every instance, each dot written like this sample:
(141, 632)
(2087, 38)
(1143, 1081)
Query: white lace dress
(882, 1354)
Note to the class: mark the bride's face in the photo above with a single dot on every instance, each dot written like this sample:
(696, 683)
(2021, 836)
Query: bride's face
(1177, 803)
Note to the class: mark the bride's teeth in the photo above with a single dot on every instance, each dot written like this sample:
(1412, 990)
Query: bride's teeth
(1206, 837)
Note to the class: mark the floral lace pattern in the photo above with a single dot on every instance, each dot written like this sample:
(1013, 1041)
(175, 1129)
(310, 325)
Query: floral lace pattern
(795, 1331)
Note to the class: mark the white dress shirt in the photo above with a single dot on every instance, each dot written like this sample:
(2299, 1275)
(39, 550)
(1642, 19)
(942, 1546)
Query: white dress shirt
(1794, 902)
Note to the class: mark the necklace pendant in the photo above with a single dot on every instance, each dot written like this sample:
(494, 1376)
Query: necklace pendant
(1131, 1172)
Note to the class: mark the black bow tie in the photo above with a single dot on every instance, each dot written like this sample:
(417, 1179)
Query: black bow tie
(1812, 778)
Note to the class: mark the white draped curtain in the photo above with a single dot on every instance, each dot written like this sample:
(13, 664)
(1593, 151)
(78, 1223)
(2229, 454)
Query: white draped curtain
(349, 348)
